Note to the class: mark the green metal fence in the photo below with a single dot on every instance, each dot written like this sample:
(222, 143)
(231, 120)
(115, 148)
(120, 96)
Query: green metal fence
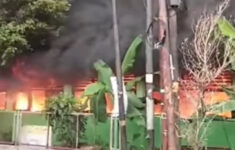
(221, 133)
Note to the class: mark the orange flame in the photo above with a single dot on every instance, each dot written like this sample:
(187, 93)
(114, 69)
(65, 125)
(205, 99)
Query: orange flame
(38, 100)
(2, 100)
(22, 102)
(32, 76)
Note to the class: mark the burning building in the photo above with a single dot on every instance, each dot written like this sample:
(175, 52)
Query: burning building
(86, 40)
(28, 89)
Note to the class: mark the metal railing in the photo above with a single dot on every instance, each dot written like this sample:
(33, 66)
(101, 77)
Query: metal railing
(18, 125)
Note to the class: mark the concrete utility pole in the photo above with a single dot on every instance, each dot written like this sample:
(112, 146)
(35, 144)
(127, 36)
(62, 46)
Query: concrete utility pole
(149, 74)
(169, 71)
(119, 80)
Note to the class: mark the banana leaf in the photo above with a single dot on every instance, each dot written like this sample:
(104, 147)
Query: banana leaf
(133, 83)
(131, 54)
(223, 107)
(98, 104)
(104, 73)
(93, 89)
(140, 89)
(226, 28)
(135, 115)
(229, 92)
(134, 100)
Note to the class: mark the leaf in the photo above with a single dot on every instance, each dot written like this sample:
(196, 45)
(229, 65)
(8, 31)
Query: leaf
(223, 107)
(135, 115)
(232, 64)
(132, 83)
(140, 121)
(104, 73)
(226, 28)
(132, 111)
(140, 89)
(229, 92)
(63, 125)
(99, 106)
(93, 89)
(131, 54)
(134, 100)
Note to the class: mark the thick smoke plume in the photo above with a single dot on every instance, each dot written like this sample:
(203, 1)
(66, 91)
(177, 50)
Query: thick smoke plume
(88, 34)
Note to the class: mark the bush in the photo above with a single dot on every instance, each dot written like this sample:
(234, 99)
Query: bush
(63, 123)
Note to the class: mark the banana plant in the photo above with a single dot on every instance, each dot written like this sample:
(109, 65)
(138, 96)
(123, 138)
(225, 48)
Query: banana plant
(96, 92)
(223, 107)
(228, 106)
(227, 30)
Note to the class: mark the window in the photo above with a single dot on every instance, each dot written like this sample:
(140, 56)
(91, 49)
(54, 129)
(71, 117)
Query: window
(2, 100)
(22, 101)
(38, 100)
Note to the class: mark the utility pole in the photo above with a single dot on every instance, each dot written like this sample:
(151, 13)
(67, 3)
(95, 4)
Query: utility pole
(174, 106)
(169, 71)
(149, 74)
(122, 117)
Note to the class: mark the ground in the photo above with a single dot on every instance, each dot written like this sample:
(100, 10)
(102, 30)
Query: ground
(12, 147)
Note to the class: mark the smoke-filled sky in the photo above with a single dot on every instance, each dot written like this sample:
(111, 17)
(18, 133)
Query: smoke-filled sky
(88, 34)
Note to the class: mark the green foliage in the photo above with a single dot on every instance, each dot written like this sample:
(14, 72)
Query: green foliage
(98, 104)
(226, 28)
(104, 73)
(93, 89)
(131, 84)
(228, 31)
(98, 90)
(134, 100)
(130, 57)
(140, 89)
(194, 131)
(28, 25)
(12, 42)
(136, 107)
(223, 107)
(230, 92)
(95, 133)
(60, 118)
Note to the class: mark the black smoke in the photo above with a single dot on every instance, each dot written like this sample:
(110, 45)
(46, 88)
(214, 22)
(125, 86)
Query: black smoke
(88, 34)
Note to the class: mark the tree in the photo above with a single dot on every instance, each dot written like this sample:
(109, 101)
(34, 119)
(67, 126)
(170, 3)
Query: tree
(205, 57)
(28, 25)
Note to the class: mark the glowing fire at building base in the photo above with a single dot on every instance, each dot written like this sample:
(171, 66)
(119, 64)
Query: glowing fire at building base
(37, 87)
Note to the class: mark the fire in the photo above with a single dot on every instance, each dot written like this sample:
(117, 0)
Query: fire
(2, 100)
(189, 94)
(38, 100)
(41, 85)
(32, 76)
(22, 101)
